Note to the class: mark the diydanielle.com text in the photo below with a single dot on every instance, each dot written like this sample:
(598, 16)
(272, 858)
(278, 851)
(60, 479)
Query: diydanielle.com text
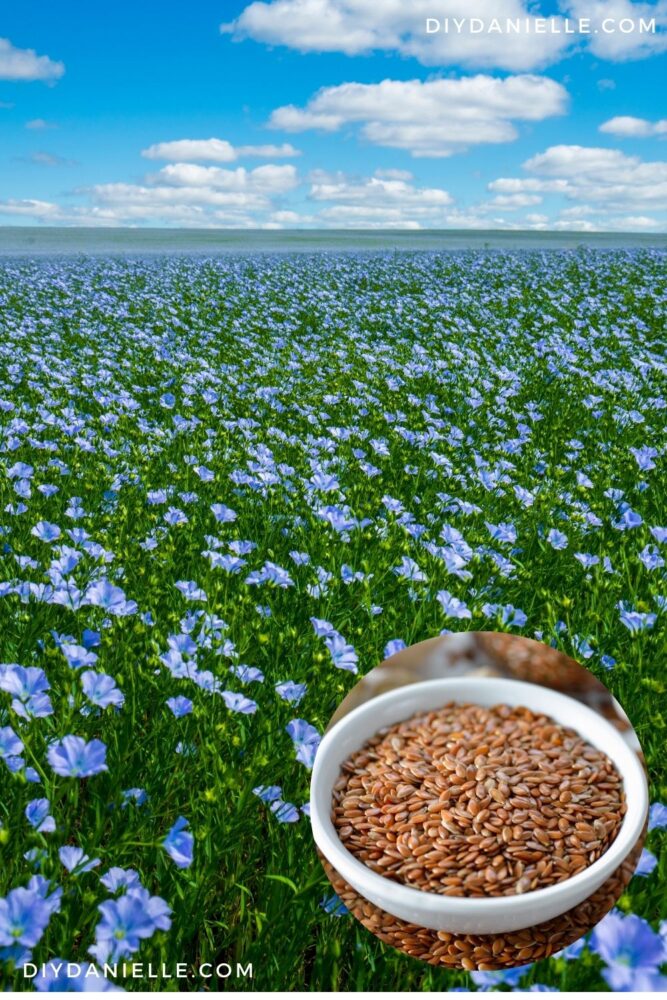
(136, 970)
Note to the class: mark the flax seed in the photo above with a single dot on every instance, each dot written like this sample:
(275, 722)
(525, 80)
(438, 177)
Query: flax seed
(478, 801)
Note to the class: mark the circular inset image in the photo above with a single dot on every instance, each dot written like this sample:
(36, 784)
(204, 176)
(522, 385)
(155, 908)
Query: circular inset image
(479, 801)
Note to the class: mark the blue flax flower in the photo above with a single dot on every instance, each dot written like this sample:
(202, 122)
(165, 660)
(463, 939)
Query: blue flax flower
(657, 817)
(28, 686)
(509, 977)
(59, 976)
(627, 519)
(322, 627)
(452, 606)
(629, 946)
(45, 531)
(334, 905)
(38, 815)
(120, 878)
(557, 539)
(126, 922)
(306, 739)
(72, 757)
(180, 706)
(136, 795)
(10, 744)
(179, 844)
(76, 860)
(246, 674)
(392, 647)
(223, 514)
(236, 702)
(101, 689)
(104, 594)
(644, 457)
(268, 793)
(291, 691)
(78, 656)
(343, 655)
(636, 621)
(647, 863)
(285, 812)
(24, 915)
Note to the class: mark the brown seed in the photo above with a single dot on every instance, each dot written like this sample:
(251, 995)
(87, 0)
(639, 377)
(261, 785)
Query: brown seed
(473, 801)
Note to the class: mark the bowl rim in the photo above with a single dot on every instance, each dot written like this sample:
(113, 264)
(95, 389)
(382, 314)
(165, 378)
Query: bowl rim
(346, 864)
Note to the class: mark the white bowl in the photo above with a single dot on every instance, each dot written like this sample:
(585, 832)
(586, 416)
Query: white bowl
(459, 915)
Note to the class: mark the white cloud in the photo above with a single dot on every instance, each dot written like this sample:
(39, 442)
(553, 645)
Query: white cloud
(513, 201)
(638, 222)
(357, 27)
(627, 40)
(152, 198)
(287, 217)
(577, 226)
(392, 174)
(590, 222)
(517, 185)
(266, 180)
(185, 194)
(433, 118)
(134, 208)
(636, 128)
(214, 151)
(378, 199)
(188, 194)
(585, 161)
(44, 159)
(577, 212)
(607, 178)
(180, 194)
(32, 207)
(38, 124)
(25, 65)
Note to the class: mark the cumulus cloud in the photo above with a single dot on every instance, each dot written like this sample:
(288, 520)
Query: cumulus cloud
(214, 151)
(269, 179)
(621, 45)
(634, 128)
(594, 175)
(602, 223)
(377, 200)
(25, 65)
(358, 27)
(434, 118)
(514, 201)
(193, 194)
(180, 194)
(31, 207)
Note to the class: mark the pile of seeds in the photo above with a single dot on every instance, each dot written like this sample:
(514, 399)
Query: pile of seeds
(473, 801)
(486, 952)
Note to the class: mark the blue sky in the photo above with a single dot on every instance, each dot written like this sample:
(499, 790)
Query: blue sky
(335, 113)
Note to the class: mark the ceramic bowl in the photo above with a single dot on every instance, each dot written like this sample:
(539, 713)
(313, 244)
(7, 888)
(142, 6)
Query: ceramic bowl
(459, 915)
